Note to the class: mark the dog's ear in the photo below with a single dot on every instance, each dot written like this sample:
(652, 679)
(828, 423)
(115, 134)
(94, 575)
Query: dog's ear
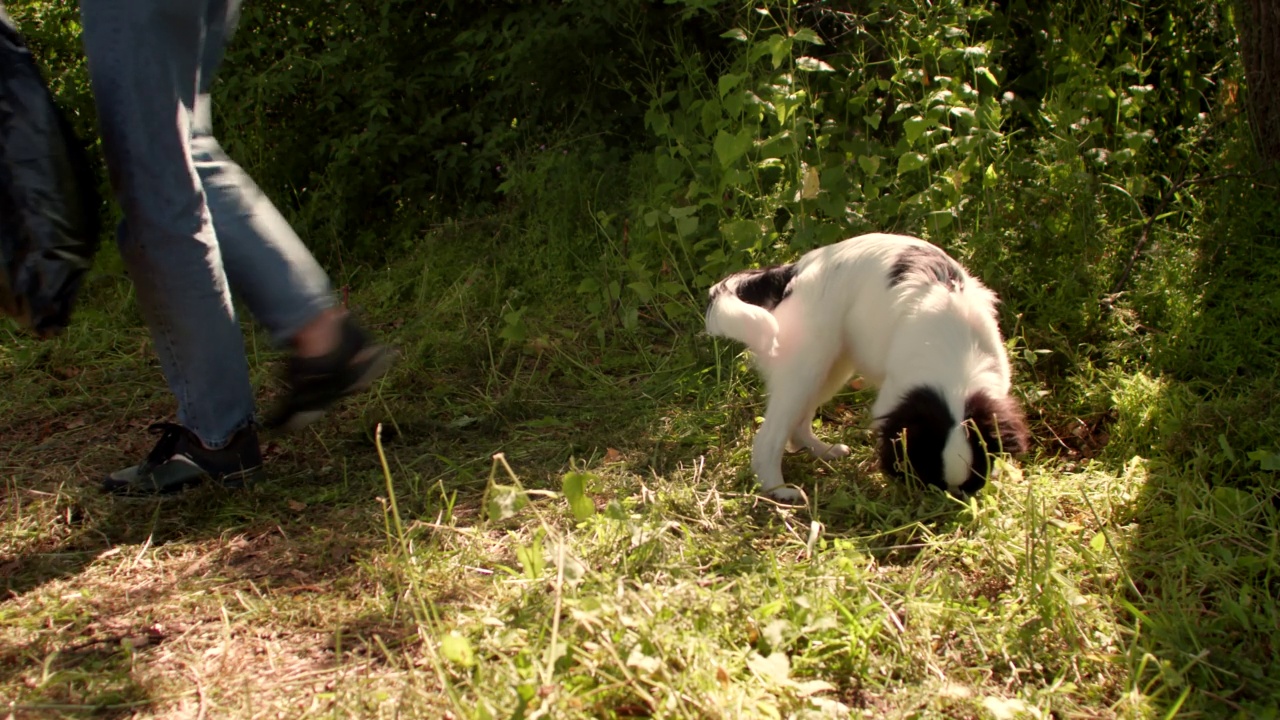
(1000, 422)
(912, 436)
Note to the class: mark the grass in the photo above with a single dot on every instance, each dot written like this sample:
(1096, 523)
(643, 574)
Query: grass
(551, 526)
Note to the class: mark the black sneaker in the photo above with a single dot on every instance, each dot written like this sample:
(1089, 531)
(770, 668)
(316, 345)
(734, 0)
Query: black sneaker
(316, 383)
(179, 461)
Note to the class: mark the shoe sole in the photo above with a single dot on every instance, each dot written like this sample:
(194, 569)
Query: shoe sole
(234, 481)
(376, 369)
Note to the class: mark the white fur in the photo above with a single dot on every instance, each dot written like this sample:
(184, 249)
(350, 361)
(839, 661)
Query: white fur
(842, 316)
(751, 325)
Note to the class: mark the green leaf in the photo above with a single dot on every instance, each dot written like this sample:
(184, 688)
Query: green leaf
(939, 220)
(914, 128)
(910, 161)
(807, 35)
(513, 329)
(870, 164)
(574, 487)
(457, 650)
(532, 559)
(989, 176)
(872, 119)
(779, 47)
(775, 668)
(741, 234)
(640, 661)
(1098, 542)
(505, 501)
(1266, 460)
(686, 226)
(643, 288)
(710, 115)
(728, 82)
(1226, 447)
(990, 80)
(812, 64)
(731, 146)
(735, 34)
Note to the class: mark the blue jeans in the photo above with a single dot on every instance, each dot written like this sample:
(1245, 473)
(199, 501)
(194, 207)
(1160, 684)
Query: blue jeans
(195, 225)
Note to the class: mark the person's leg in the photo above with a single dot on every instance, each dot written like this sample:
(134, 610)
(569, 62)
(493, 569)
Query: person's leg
(269, 267)
(272, 270)
(144, 61)
(144, 66)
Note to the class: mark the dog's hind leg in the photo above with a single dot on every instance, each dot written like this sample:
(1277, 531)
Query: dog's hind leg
(803, 437)
(792, 390)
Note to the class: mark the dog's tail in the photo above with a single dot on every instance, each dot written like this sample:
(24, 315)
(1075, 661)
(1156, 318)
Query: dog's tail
(741, 304)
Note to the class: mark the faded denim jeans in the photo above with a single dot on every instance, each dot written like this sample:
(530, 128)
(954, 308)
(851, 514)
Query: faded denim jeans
(195, 226)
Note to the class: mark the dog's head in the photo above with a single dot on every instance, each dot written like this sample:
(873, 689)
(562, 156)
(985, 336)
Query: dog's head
(920, 438)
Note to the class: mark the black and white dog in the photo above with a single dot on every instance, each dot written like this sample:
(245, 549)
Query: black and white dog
(909, 319)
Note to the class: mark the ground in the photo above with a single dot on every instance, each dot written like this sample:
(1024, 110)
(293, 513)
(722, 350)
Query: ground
(553, 526)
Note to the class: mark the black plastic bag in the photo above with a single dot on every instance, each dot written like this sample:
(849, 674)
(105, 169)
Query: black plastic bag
(49, 202)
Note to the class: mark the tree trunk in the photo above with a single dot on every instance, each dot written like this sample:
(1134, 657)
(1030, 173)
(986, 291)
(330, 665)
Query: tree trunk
(1259, 28)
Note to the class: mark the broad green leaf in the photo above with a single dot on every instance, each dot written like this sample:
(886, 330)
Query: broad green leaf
(710, 115)
(939, 220)
(505, 501)
(872, 119)
(1004, 708)
(779, 47)
(989, 176)
(1266, 460)
(985, 74)
(686, 226)
(731, 146)
(741, 234)
(728, 82)
(642, 288)
(532, 559)
(870, 164)
(807, 35)
(914, 127)
(813, 687)
(457, 650)
(811, 183)
(812, 64)
(638, 660)
(574, 486)
(776, 667)
(910, 161)
(1226, 447)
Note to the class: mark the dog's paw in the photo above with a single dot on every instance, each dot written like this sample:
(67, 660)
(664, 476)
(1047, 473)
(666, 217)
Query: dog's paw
(834, 452)
(788, 495)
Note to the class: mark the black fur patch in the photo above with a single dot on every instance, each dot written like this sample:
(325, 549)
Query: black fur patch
(913, 436)
(766, 287)
(1001, 427)
(929, 262)
(922, 418)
